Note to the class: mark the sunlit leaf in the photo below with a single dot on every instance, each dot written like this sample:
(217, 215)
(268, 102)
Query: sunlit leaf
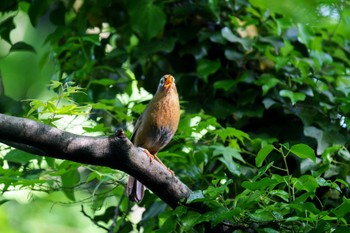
(228, 152)
(230, 132)
(303, 151)
(280, 193)
(293, 96)
(306, 182)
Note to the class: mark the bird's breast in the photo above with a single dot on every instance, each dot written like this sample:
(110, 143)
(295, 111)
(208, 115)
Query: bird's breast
(157, 138)
(160, 123)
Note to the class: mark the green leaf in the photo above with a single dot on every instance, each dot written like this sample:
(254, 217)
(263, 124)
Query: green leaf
(305, 206)
(22, 46)
(230, 132)
(180, 211)
(228, 154)
(293, 96)
(155, 209)
(226, 85)
(228, 35)
(3, 201)
(233, 55)
(280, 193)
(320, 137)
(270, 213)
(106, 216)
(147, 48)
(168, 226)
(190, 219)
(148, 20)
(261, 184)
(262, 154)
(306, 182)
(221, 214)
(342, 209)
(196, 196)
(69, 180)
(262, 171)
(6, 27)
(214, 192)
(93, 39)
(303, 151)
(323, 182)
(267, 81)
(207, 67)
(19, 156)
(344, 153)
(287, 48)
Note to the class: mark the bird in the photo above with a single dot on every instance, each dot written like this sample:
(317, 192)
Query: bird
(155, 128)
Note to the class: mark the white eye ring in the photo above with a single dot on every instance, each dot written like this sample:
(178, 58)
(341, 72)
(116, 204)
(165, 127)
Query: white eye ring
(161, 82)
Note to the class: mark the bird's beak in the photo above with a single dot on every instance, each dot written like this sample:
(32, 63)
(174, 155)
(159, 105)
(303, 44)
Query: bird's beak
(168, 82)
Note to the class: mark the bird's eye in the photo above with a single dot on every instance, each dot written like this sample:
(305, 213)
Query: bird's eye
(161, 82)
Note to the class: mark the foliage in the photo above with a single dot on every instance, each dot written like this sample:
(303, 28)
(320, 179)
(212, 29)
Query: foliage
(264, 90)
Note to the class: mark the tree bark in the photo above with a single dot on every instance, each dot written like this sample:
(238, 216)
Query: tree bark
(116, 152)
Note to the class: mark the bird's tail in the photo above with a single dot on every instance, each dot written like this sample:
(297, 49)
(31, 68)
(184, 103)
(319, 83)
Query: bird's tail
(135, 190)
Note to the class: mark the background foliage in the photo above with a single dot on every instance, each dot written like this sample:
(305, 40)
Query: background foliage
(264, 88)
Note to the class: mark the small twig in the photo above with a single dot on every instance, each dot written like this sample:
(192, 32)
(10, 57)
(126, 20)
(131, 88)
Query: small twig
(91, 219)
(116, 213)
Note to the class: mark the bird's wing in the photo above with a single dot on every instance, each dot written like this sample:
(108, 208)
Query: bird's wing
(137, 126)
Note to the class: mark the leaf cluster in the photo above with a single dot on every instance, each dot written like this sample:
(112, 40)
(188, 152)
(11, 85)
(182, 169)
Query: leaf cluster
(264, 131)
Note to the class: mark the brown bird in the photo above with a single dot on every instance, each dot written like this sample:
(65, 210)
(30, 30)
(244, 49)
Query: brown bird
(155, 128)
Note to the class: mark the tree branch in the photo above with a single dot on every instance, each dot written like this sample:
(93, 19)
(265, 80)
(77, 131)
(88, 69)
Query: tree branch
(116, 152)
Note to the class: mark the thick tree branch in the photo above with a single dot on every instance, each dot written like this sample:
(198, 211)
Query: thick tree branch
(116, 152)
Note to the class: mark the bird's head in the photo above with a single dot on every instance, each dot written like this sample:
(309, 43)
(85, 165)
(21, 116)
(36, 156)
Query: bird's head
(167, 82)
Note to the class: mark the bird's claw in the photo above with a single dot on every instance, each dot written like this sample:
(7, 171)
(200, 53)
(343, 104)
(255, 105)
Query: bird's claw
(151, 157)
(171, 172)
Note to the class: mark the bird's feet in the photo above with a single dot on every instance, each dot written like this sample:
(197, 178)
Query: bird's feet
(171, 172)
(156, 158)
(151, 157)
